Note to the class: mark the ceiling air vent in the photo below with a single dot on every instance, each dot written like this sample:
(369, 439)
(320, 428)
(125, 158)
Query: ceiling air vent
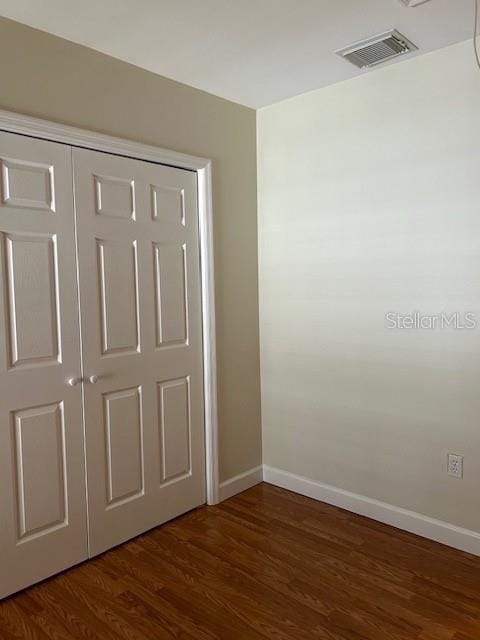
(378, 49)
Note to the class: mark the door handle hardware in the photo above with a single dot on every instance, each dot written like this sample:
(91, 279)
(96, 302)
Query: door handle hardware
(74, 381)
(91, 379)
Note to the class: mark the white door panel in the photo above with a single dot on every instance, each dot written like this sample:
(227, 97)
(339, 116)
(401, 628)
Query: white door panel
(137, 229)
(42, 475)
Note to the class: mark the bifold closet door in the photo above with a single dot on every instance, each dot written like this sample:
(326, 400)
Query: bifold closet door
(139, 274)
(43, 522)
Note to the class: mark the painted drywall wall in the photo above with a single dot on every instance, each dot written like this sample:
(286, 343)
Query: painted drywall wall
(51, 78)
(369, 202)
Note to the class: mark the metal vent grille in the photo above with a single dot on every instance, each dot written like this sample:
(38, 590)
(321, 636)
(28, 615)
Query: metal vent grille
(378, 49)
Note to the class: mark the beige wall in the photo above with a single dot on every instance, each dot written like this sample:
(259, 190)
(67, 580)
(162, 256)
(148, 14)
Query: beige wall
(47, 77)
(369, 202)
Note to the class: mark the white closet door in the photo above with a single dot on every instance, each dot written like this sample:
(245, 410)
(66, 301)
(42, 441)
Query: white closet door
(137, 229)
(43, 525)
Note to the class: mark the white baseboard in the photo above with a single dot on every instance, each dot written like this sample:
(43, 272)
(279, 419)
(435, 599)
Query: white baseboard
(437, 530)
(240, 483)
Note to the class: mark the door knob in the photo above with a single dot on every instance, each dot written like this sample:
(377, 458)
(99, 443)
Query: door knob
(92, 379)
(74, 381)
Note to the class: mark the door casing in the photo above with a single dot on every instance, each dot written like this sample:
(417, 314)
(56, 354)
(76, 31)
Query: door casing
(46, 130)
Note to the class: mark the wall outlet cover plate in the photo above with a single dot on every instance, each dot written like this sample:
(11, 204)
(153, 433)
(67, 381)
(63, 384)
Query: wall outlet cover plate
(455, 465)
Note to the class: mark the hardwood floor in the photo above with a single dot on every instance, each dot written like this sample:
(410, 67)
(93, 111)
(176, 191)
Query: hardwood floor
(265, 564)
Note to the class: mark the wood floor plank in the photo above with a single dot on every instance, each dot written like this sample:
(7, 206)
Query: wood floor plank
(266, 564)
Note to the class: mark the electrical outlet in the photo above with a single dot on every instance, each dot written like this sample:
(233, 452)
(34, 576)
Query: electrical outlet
(455, 465)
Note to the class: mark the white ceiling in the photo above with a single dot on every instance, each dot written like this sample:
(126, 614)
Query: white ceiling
(255, 52)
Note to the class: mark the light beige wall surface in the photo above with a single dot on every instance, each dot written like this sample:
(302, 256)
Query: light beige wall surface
(369, 202)
(51, 78)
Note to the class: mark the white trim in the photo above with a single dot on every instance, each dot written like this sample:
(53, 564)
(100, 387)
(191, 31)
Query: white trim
(240, 483)
(205, 209)
(34, 127)
(46, 130)
(421, 525)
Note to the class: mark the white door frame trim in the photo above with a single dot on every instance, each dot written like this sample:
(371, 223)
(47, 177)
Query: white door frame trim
(34, 127)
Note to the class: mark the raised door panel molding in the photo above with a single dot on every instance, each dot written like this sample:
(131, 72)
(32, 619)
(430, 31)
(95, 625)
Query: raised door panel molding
(168, 204)
(28, 185)
(32, 284)
(170, 294)
(118, 282)
(124, 446)
(175, 427)
(114, 197)
(39, 436)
